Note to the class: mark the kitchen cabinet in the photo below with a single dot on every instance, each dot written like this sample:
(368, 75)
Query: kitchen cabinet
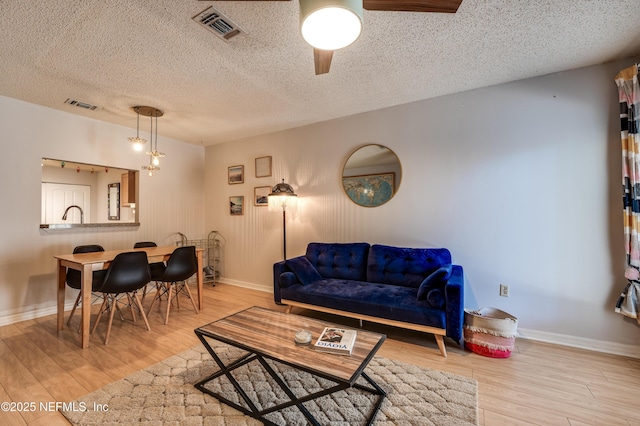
(128, 189)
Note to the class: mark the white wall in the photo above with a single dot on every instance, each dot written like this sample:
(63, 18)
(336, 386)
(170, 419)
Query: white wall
(520, 181)
(171, 201)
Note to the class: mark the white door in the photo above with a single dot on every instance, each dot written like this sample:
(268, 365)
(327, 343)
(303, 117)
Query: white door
(56, 197)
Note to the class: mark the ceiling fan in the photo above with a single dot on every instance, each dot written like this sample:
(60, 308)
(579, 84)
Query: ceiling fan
(343, 18)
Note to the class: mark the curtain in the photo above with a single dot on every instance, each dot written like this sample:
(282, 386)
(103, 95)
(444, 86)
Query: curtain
(629, 96)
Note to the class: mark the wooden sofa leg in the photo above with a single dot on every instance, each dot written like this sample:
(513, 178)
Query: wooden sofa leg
(289, 309)
(440, 342)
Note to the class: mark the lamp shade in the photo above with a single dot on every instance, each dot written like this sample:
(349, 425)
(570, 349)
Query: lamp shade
(282, 197)
(330, 24)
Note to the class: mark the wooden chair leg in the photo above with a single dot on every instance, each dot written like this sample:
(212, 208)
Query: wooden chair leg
(119, 310)
(104, 302)
(155, 298)
(144, 291)
(186, 287)
(146, 287)
(75, 305)
(131, 307)
(166, 318)
(142, 314)
(177, 294)
(112, 309)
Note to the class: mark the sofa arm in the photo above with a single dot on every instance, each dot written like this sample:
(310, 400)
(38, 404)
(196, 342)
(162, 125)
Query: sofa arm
(454, 294)
(278, 269)
(282, 277)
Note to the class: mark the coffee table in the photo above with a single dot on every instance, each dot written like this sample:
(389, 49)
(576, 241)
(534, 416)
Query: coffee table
(265, 334)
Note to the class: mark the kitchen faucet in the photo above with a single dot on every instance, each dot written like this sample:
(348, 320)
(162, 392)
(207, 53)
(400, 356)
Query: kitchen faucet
(64, 216)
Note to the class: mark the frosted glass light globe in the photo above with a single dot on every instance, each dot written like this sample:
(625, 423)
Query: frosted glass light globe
(330, 25)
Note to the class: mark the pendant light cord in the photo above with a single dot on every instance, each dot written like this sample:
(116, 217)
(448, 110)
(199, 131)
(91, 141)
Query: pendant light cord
(156, 150)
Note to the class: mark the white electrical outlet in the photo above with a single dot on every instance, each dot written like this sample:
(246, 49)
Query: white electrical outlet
(504, 290)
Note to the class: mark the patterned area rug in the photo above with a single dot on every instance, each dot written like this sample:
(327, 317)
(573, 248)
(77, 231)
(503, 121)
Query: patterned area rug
(163, 394)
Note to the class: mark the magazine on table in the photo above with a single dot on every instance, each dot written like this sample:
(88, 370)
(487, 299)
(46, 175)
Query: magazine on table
(336, 340)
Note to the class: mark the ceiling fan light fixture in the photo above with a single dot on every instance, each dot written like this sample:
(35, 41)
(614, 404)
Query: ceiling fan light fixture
(330, 24)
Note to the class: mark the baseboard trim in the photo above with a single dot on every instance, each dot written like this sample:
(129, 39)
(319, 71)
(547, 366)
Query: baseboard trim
(8, 318)
(613, 348)
(244, 284)
(12, 318)
(631, 351)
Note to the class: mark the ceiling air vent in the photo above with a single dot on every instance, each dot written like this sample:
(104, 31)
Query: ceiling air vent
(217, 23)
(80, 104)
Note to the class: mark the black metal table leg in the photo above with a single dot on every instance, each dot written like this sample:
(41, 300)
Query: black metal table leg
(260, 414)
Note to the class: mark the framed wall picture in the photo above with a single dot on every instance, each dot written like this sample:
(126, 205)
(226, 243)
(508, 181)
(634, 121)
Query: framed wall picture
(261, 195)
(236, 205)
(236, 174)
(263, 166)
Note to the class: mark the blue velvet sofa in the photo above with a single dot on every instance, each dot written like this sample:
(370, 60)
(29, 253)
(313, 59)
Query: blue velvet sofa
(414, 288)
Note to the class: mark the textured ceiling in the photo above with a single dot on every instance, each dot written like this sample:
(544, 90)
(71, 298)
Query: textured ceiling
(117, 53)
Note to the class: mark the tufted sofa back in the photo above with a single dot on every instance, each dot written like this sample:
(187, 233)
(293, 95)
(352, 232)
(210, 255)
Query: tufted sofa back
(404, 266)
(345, 261)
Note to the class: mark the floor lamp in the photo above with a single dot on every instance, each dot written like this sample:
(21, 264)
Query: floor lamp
(281, 198)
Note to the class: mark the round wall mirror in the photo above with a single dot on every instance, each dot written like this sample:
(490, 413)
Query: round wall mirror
(371, 176)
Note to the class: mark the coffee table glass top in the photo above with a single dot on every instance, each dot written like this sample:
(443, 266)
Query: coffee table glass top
(271, 333)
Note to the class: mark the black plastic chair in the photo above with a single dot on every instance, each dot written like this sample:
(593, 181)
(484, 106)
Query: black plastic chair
(181, 265)
(74, 277)
(157, 268)
(127, 273)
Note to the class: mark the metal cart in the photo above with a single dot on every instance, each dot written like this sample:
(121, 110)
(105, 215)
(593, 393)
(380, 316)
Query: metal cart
(213, 247)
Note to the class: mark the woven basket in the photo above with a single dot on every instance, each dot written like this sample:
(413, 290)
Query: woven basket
(490, 332)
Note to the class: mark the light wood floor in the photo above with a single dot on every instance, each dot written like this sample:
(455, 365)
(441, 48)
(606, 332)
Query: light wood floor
(540, 384)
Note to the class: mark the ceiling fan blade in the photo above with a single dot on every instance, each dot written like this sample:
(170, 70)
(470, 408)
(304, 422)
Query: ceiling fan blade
(439, 6)
(322, 59)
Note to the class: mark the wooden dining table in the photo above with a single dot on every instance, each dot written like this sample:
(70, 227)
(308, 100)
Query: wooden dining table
(86, 263)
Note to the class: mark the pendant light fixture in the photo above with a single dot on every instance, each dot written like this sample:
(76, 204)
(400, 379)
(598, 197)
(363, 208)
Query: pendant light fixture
(154, 154)
(137, 142)
(151, 167)
(330, 24)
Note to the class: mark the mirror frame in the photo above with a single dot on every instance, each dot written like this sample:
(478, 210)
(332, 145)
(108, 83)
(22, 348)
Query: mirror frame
(376, 170)
(113, 201)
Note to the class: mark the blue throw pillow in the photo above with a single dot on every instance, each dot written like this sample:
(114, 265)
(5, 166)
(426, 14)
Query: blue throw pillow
(436, 298)
(437, 279)
(304, 270)
(287, 279)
